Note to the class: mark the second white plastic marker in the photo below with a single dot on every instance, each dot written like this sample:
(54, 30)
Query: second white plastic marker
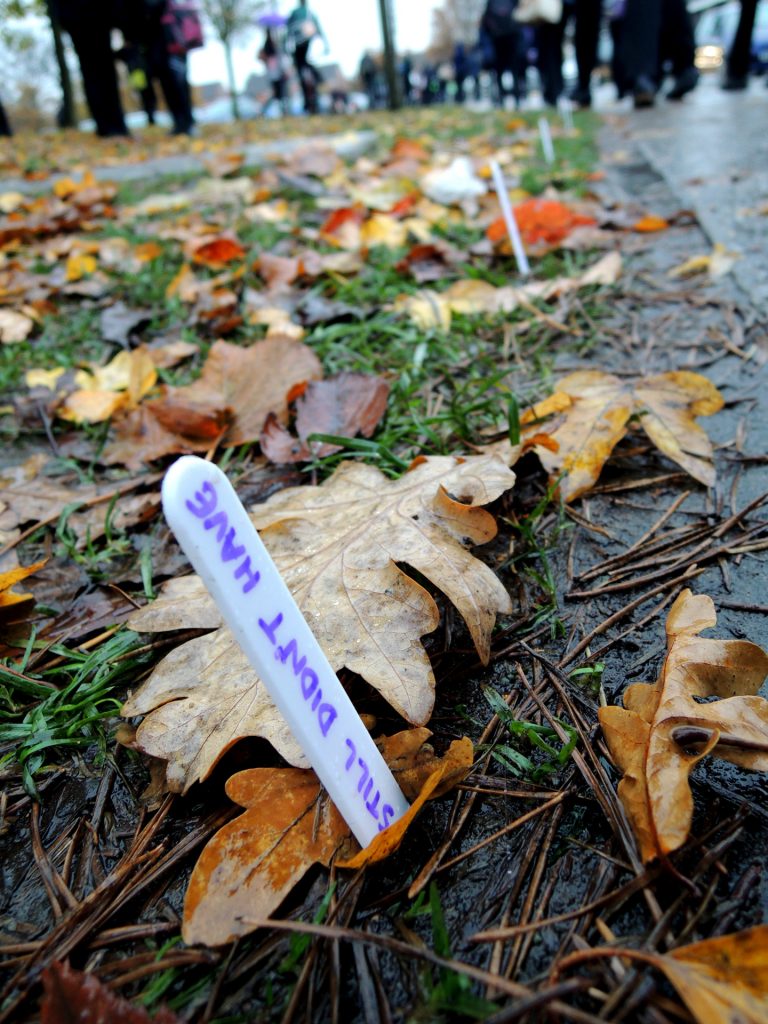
(222, 544)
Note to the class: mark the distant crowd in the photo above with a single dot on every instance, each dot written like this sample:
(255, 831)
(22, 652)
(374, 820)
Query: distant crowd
(651, 39)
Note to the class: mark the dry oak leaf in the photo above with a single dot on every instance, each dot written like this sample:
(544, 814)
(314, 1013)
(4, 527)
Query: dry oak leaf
(344, 405)
(236, 390)
(593, 411)
(253, 862)
(645, 736)
(338, 547)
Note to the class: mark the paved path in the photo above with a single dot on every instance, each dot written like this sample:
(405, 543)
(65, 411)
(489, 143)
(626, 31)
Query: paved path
(713, 151)
(347, 144)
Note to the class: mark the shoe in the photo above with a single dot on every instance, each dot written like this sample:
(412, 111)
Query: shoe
(685, 82)
(644, 92)
(734, 83)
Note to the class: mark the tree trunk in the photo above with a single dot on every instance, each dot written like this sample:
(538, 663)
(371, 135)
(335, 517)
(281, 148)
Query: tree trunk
(66, 116)
(231, 76)
(390, 62)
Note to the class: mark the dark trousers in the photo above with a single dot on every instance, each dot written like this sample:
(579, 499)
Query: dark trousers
(653, 31)
(5, 127)
(739, 59)
(549, 42)
(91, 40)
(170, 70)
(508, 56)
(308, 76)
(586, 37)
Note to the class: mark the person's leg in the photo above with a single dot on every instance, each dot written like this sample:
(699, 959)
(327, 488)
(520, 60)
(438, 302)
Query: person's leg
(586, 36)
(679, 47)
(738, 61)
(641, 34)
(550, 44)
(170, 70)
(94, 53)
(5, 127)
(304, 76)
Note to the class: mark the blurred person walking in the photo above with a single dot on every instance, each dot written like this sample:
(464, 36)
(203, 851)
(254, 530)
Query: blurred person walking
(89, 25)
(167, 30)
(303, 28)
(499, 30)
(271, 54)
(740, 56)
(651, 33)
(369, 74)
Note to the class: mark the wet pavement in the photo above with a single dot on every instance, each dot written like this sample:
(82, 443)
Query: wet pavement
(712, 149)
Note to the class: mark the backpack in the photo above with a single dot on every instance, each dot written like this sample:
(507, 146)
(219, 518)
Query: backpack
(183, 28)
(498, 20)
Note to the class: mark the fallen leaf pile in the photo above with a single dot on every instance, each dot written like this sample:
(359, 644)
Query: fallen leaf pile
(651, 737)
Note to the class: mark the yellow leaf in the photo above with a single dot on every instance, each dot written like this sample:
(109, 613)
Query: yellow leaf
(9, 579)
(79, 265)
(44, 378)
(715, 264)
(594, 411)
(253, 862)
(382, 229)
(723, 980)
(91, 406)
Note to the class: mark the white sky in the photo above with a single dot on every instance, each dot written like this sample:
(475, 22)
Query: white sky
(350, 28)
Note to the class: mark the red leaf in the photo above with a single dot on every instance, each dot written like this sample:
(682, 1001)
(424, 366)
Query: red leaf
(74, 997)
(544, 220)
(217, 252)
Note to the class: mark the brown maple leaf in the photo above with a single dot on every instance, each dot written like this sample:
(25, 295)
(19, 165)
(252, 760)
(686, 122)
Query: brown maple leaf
(647, 738)
(253, 862)
(339, 547)
(593, 412)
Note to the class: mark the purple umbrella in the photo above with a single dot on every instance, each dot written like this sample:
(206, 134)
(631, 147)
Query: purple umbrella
(271, 20)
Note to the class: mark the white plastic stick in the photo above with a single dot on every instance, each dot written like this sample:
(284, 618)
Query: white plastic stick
(222, 544)
(509, 219)
(546, 140)
(566, 110)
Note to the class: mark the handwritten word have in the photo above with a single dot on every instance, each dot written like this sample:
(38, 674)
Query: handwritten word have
(207, 500)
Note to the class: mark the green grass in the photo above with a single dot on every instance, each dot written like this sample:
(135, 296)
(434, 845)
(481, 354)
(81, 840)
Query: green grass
(44, 715)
